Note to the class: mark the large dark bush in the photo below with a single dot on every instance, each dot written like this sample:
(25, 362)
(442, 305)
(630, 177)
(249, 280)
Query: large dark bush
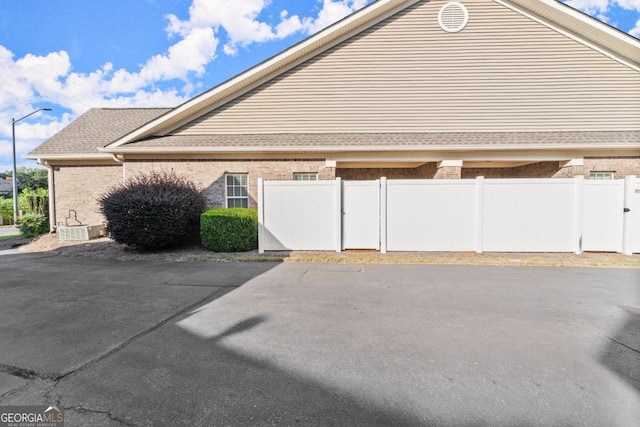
(154, 210)
(229, 230)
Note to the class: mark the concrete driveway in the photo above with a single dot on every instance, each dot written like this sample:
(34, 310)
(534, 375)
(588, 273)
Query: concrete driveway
(136, 343)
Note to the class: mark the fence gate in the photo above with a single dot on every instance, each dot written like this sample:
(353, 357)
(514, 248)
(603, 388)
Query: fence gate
(635, 214)
(361, 214)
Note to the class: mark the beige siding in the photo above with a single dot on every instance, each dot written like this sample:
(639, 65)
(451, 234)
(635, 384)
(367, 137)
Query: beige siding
(503, 72)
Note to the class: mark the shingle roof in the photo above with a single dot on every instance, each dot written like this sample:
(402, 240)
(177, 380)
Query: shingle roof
(600, 139)
(97, 128)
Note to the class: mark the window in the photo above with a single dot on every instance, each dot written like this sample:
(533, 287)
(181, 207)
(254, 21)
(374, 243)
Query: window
(305, 176)
(237, 190)
(601, 175)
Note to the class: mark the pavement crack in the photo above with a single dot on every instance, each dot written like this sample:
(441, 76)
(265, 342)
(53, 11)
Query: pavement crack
(147, 331)
(83, 410)
(635, 350)
(301, 277)
(24, 373)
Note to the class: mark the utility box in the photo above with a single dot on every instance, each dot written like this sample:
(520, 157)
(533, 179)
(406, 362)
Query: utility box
(80, 232)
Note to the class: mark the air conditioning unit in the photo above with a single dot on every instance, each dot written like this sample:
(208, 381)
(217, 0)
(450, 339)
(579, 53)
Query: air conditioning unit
(80, 232)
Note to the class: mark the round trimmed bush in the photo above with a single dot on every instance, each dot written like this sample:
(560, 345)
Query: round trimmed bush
(229, 230)
(154, 210)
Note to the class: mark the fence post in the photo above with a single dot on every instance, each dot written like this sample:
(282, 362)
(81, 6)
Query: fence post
(260, 215)
(578, 213)
(338, 214)
(383, 215)
(479, 213)
(629, 188)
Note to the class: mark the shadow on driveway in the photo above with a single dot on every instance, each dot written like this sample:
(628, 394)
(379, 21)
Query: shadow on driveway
(622, 354)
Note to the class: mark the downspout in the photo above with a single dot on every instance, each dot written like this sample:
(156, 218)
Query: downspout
(121, 161)
(51, 184)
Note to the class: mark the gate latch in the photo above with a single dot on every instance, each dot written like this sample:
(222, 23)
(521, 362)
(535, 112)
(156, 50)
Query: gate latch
(625, 210)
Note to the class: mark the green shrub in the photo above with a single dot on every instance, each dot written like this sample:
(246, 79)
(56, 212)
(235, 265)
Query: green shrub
(229, 230)
(34, 225)
(157, 210)
(34, 201)
(6, 210)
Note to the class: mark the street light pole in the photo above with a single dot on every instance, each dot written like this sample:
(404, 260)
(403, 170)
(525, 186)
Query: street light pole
(15, 172)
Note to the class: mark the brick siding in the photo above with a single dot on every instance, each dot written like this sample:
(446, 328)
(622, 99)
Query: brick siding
(77, 187)
(209, 174)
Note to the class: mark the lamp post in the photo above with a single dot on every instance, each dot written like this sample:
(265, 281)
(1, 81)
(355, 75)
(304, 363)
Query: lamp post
(15, 172)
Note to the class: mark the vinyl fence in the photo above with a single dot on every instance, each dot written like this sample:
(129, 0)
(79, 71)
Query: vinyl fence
(481, 215)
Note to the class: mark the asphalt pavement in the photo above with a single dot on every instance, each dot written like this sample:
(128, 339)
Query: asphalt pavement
(202, 344)
(8, 229)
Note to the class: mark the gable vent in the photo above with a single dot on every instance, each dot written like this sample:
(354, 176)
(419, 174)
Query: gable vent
(453, 17)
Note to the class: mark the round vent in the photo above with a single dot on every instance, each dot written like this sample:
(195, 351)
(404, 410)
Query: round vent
(453, 17)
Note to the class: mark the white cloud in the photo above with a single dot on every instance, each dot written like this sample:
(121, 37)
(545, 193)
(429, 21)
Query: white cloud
(629, 4)
(331, 12)
(591, 7)
(635, 31)
(241, 20)
(602, 7)
(33, 81)
(238, 18)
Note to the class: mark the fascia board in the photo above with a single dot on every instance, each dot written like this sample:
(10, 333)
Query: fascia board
(605, 39)
(365, 148)
(96, 156)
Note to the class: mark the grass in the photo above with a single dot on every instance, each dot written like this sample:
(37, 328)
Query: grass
(9, 236)
(599, 260)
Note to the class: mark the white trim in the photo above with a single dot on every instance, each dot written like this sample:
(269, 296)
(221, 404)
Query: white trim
(90, 156)
(449, 164)
(304, 175)
(226, 189)
(366, 148)
(578, 161)
(594, 175)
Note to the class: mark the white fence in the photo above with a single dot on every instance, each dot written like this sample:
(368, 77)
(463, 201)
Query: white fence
(481, 215)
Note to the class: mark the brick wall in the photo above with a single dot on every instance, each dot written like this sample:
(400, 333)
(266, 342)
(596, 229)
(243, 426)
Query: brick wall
(78, 187)
(621, 166)
(209, 174)
(426, 171)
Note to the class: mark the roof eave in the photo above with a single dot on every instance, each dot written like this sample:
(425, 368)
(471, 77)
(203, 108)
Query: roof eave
(565, 19)
(368, 148)
(68, 156)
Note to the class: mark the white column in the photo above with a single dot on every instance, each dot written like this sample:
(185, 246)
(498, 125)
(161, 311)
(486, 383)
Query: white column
(578, 213)
(479, 214)
(260, 215)
(383, 215)
(627, 226)
(338, 214)
(52, 199)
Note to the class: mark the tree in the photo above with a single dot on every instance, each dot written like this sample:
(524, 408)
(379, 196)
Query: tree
(32, 179)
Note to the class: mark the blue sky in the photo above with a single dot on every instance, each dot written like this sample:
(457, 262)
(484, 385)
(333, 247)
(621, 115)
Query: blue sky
(72, 55)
